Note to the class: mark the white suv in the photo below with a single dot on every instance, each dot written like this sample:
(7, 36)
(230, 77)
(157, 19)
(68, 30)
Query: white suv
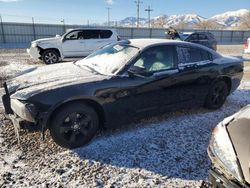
(247, 46)
(74, 43)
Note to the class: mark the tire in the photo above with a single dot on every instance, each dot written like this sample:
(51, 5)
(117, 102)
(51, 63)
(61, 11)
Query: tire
(50, 57)
(74, 125)
(217, 95)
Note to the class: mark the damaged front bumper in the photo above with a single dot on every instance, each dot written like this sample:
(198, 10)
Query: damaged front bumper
(20, 113)
(34, 52)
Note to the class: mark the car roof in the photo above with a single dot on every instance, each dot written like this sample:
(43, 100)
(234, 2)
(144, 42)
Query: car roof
(145, 42)
(89, 28)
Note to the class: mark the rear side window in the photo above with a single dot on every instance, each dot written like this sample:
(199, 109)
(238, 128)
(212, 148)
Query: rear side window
(91, 34)
(203, 37)
(188, 55)
(105, 34)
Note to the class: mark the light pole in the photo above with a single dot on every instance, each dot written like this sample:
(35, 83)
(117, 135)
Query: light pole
(149, 12)
(138, 2)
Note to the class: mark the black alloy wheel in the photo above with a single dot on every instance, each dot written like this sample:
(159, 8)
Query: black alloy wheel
(217, 95)
(74, 125)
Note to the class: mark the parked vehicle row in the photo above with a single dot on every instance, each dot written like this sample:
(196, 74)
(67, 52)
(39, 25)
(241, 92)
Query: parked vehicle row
(126, 80)
(74, 43)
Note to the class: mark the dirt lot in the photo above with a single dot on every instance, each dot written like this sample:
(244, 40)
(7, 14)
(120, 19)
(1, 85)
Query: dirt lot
(164, 151)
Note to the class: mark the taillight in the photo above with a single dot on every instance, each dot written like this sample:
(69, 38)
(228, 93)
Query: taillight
(246, 44)
(118, 38)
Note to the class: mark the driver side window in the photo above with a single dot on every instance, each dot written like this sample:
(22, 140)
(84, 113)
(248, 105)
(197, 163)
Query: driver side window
(75, 35)
(157, 59)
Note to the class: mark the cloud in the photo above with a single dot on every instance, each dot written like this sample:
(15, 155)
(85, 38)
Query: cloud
(110, 2)
(9, 1)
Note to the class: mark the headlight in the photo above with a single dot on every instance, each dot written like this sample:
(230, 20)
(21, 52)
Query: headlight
(34, 44)
(223, 150)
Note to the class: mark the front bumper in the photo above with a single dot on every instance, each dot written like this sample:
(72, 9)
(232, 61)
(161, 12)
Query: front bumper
(220, 181)
(34, 52)
(16, 110)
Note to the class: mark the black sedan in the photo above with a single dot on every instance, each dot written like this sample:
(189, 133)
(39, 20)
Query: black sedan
(229, 151)
(118, 84)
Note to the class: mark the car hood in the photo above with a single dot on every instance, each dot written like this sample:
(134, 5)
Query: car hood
(39, 79)
(239, 131)
(47, 40)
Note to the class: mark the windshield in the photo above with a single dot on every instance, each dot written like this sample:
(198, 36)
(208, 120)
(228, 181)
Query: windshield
(109, 59)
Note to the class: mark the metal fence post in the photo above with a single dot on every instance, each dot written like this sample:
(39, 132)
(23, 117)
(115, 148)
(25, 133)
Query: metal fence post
(150, 33)
(1, 21)
(132, 32)
(221, 36)
(232, 32)
(34, 30)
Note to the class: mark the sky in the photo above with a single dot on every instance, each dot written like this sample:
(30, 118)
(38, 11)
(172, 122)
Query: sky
(83, 11)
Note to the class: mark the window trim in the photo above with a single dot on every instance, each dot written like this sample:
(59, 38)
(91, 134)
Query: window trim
(197, 62)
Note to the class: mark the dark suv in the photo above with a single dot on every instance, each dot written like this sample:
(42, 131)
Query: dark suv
(204, 38)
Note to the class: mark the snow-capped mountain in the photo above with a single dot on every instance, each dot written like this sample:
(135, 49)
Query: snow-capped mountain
(186, 18)
(230, 18)
(227, 19)
(132, 21)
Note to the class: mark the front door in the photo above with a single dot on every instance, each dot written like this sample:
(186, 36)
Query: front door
(153, 90)
(73, 44)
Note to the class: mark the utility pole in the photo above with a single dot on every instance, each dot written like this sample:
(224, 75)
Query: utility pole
(108, 8)
(138, 2)
(149, 12)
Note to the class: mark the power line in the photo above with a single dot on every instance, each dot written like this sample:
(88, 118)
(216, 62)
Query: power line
(149, 12)
(138, 2)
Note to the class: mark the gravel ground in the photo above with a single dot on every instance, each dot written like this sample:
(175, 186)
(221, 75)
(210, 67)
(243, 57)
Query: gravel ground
(163, 151)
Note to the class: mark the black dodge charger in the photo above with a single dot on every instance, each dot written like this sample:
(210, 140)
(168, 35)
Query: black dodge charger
(118, 84)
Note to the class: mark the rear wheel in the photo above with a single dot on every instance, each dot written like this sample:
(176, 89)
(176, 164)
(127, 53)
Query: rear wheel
(50, 57)
(74, 125)
(217, 95)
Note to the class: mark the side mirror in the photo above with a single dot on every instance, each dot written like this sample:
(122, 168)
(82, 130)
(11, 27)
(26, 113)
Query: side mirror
(63, 39)
(135, 70)
(58, 36)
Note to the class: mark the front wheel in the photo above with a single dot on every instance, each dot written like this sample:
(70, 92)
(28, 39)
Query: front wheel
(74, 125)
(50, 57)
(217, 95)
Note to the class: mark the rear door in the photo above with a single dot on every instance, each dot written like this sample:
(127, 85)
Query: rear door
(95, 39)
(196, 73)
